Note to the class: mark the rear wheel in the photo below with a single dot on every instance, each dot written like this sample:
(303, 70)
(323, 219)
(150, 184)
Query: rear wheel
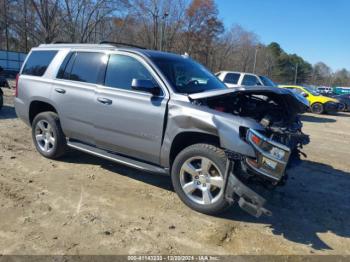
(198, 178)
(48, 136)
(317, 108)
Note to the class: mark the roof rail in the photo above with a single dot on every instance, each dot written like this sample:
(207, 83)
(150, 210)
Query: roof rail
(121, 44)
(61, 42)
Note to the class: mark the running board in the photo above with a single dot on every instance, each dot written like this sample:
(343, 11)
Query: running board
(116, 158)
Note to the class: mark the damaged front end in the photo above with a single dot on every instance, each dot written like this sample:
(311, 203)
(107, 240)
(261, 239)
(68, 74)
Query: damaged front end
(276, 139)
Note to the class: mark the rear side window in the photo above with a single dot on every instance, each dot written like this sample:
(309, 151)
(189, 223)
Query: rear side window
(66, 66)
(82, 67)
(231, 78)
(38, 62)
(121, 70)
(250, 80)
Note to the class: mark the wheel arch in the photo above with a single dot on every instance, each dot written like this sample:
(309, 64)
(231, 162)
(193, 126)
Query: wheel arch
(37, 106)
(188, 138)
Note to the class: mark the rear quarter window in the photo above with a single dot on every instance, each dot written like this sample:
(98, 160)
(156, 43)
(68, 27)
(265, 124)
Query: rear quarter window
(37, 62)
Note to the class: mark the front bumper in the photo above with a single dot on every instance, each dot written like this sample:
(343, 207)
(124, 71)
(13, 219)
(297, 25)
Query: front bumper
(332, 107)
(270, 163)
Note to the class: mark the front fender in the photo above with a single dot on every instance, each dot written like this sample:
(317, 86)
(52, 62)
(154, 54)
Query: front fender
(185, 117)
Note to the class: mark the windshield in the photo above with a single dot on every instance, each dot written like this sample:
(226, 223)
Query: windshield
(312, 91)
(267, 81)
(187, 76)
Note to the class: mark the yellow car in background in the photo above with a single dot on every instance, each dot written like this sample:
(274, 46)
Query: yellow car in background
(318, 104)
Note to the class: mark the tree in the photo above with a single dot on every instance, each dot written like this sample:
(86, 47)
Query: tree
(47, 24)
(341, 78)
(202, 29)
(321, 74)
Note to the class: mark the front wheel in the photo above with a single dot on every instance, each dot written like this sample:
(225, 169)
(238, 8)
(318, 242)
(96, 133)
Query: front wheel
(317, 108)
(198, 178)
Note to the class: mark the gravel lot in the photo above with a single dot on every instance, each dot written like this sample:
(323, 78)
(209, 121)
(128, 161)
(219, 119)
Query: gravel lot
(86, 205)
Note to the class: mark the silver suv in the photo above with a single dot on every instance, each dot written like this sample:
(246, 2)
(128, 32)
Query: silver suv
(164, 113)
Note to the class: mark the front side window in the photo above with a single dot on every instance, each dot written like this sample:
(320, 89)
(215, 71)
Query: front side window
(38, 62)
(232, 78)
(250, 80)
(187, 76)
(122, 69)
(267, 81)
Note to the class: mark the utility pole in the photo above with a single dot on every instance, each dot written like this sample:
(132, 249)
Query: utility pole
(296, 73)
(162, 33)
(25, 26)
(255, 56)
(155, 28)
(6, 26)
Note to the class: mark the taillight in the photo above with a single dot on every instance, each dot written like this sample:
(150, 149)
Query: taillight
(16, 86)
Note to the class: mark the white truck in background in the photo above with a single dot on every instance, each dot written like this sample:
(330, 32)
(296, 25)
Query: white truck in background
(234, 79)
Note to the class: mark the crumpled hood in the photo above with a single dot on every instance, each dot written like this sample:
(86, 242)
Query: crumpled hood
(295, 101)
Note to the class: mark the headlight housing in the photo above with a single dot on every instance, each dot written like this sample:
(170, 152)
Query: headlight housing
(271, 157)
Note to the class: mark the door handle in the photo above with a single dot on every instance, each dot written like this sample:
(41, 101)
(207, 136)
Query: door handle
(60, 90)
(104, 101)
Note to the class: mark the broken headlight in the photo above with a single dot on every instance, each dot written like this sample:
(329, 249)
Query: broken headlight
(271, 157)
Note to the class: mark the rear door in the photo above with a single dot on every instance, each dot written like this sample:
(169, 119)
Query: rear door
(74, 93)
(130, 122)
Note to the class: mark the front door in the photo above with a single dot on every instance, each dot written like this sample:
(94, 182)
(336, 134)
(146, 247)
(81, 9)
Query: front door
(129, 122)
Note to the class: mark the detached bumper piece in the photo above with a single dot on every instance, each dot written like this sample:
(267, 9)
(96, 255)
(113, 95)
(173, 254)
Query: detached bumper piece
(271, 157)
(248, 200)
(270, 163)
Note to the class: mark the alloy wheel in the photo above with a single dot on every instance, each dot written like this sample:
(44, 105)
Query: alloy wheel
(44, 136)
(201, 180)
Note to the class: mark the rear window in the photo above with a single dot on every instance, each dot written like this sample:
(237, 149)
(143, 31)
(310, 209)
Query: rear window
(232, 78)
(38, 62)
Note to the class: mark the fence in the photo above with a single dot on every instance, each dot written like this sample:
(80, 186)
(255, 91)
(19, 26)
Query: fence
(11, 62)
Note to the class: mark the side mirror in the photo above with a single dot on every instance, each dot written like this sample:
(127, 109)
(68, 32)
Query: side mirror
(304, 94)
(147, 86)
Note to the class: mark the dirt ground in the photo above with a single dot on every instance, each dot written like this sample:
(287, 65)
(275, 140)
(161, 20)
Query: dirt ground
(86, 205)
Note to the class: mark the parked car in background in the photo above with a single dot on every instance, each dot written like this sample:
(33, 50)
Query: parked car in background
(318, 104)
(324, 90)
(164, 113)
(345, 100)
(341, 90)
(235, 79)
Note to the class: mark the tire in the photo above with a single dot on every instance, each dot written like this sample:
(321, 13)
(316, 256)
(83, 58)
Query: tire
(317, 108)
(52, 142)
(197, 194)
